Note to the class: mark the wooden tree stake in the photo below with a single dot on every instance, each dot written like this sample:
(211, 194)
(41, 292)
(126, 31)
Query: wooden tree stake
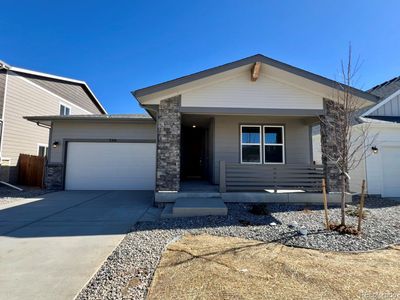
(360, 210)
(325, 203)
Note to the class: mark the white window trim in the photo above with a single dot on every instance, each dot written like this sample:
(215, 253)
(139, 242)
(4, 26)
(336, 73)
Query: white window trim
(251, 144)
(65, 105)
(268, 144)
(41, 145)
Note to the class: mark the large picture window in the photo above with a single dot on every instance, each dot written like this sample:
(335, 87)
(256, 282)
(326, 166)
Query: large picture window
(250, 144)
(274, 145)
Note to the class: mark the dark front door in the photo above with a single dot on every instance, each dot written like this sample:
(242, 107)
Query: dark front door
(194, 153)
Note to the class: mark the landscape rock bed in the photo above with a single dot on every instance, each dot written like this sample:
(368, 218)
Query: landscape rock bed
(127, 273)
(10, 195)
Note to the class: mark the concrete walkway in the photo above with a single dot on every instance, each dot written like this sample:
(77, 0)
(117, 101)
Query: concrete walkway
(51, 246)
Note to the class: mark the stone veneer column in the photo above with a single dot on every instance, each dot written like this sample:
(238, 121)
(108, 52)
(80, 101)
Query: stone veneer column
(329, 145)
(168, 145)
(54, 177)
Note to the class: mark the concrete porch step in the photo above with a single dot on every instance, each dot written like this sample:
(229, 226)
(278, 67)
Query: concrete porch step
(196, 207)
(167, 211)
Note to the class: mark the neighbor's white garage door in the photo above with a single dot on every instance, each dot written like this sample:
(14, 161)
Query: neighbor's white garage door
(110, 166)
(391, 171)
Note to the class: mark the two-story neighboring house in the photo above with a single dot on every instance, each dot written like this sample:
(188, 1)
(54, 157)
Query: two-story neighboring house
(25, 92)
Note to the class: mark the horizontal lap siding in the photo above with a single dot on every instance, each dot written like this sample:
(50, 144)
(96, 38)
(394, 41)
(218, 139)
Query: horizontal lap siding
(227, 138)
(101, 130)
(25, 99)
(71, 92)
(240, 91)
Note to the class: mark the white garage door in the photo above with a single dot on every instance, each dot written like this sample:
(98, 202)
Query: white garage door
(391, 172)
(110, 166)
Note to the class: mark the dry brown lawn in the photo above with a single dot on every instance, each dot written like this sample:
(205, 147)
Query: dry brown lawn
(211, 267)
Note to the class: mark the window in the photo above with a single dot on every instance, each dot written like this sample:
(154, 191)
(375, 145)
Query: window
(250, 144)
(274, 149)
(64, 110)
(42, 150)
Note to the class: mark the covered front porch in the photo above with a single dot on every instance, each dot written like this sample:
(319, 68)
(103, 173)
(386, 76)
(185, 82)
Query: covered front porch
(247, 158)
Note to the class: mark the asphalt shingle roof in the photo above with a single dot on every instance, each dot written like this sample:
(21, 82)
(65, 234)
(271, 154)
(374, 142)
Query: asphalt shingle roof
(386, 89)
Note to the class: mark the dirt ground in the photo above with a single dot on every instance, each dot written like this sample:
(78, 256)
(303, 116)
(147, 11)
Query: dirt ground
(211, 267)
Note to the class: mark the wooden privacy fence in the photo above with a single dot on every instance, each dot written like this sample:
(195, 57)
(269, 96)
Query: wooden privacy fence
(251, 177)
(31, 170)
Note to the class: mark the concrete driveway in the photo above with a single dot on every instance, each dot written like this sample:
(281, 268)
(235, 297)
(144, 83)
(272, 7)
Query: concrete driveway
(51, 246)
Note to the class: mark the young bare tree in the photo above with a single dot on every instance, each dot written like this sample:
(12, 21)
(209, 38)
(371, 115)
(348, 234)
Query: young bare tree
(352, 142)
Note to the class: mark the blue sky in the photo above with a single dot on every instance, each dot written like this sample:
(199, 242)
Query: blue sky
(119, 46)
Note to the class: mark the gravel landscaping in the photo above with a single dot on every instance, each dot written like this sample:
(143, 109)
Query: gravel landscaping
(127, 272)
(9, 195)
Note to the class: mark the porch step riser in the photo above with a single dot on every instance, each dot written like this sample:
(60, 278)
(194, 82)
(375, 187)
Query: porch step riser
(195, 207)
(172, 197)
(190, 212)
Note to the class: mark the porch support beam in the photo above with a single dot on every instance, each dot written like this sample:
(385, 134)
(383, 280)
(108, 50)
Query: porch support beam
(252, 111)
(255, 71)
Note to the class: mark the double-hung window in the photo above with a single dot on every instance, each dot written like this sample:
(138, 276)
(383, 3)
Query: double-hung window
(250, 144)
(262, 144)
(274, 144)
(42, 150)
(64, 110)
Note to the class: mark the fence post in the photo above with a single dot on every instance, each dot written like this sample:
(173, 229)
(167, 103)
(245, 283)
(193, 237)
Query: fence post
(222, 176)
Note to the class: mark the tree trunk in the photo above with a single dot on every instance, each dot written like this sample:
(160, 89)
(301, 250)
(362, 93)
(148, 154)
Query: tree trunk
(343, 200)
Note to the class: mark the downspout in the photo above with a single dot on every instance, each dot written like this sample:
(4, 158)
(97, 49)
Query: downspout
(5, 67)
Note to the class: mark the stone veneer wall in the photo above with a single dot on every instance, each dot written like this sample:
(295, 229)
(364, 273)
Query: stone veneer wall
(328, 145)
(168, 145)
(54, 179)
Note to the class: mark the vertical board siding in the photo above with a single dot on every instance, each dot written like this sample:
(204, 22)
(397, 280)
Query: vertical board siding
(227, 138)
(391, 108)
(72, 92)
(240, 91)
(25, 99)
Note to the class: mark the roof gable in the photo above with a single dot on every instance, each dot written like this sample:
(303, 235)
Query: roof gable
(139, 94)
(240, 91)
(70, 89)
(389, 107)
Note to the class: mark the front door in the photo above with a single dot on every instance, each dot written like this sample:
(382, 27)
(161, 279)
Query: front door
(194, 153)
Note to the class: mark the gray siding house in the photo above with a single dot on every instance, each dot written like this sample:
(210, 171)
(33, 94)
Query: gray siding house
(25, 92)
(238, 132)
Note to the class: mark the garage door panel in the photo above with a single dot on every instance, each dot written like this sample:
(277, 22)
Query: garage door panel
(110, 166)
(391, 171)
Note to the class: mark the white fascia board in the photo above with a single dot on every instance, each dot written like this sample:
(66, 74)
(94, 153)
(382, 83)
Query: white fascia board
(378, 123)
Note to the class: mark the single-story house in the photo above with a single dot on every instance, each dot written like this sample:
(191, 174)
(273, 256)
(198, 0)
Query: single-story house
(381, 166)
(243, 127)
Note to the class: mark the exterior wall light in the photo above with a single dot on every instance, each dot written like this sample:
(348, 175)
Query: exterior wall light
(55, 144)
(374, 149)
(194, 126)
